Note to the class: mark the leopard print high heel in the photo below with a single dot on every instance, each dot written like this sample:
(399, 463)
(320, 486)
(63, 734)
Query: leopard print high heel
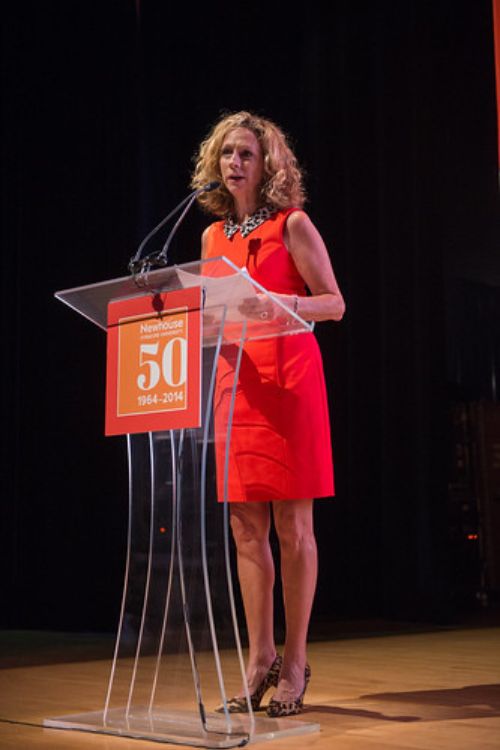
(238, 704)
(289, 708)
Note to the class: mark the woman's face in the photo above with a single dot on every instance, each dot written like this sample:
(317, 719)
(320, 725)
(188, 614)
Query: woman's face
(242, 165)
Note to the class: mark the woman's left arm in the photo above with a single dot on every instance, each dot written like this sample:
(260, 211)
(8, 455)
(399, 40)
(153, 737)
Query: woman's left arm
(310, 256)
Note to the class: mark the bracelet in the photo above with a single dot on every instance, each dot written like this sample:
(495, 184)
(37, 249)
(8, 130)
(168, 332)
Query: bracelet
(295, 304)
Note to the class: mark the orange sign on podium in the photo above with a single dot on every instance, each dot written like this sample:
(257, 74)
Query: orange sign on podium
(154, 362)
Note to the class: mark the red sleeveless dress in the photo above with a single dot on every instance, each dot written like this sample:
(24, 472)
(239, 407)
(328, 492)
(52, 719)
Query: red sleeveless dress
(280, 445)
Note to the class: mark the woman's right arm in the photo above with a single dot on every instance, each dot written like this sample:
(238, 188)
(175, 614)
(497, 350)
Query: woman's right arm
(204, 240)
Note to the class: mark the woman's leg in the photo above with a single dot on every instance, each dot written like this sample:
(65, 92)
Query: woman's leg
(293, 520)
(250, 524)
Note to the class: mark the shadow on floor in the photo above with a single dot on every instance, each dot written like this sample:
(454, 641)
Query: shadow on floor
(470, 702)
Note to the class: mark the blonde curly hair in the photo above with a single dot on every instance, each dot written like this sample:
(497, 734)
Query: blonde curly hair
(282, 182)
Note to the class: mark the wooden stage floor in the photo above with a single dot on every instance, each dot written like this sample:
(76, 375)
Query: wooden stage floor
(422, 691)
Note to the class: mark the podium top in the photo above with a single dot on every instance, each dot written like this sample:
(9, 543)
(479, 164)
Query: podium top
(226, 288)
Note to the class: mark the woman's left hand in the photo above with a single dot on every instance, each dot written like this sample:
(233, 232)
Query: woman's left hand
(261, 306)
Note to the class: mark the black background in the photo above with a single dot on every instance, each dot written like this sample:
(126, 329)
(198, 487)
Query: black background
(391, 109)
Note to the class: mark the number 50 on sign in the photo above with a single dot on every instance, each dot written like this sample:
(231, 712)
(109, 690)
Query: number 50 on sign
(154, 360)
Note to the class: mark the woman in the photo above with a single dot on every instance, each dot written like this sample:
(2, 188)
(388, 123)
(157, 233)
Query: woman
(280, 441)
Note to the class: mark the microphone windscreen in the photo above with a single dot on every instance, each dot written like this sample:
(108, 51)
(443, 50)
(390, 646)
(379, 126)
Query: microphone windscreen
(211, 186)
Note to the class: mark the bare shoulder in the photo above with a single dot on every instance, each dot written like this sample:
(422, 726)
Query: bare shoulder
(300, 233)
(298, 221)
(205, 233)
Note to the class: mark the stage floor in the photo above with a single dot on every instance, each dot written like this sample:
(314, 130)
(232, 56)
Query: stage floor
(417, 691)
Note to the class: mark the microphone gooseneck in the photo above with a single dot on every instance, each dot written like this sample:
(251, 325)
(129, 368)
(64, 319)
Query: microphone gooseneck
(137, 263)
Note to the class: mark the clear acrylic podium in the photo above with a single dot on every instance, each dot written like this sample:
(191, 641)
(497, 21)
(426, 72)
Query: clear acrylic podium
(178, 655)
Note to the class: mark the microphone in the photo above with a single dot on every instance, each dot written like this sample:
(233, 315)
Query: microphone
(137, 263)
(209, 186)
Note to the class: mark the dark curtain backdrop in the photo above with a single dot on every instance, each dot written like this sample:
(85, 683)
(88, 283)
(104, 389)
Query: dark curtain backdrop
(391, 108)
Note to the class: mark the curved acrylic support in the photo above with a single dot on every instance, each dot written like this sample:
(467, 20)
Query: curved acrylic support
(178, 652)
